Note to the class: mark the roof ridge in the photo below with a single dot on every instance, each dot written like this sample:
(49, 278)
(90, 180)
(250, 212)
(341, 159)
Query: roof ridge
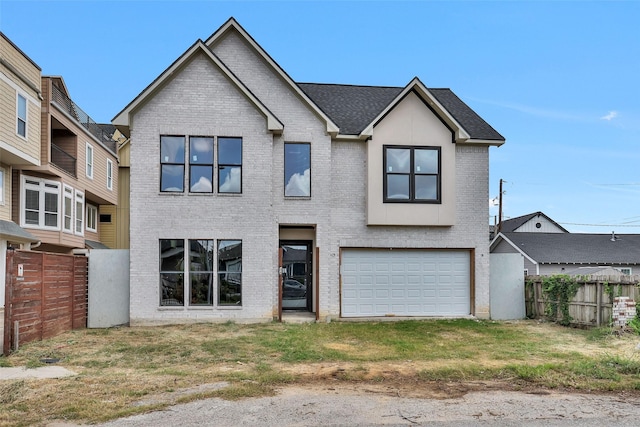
(350, 85)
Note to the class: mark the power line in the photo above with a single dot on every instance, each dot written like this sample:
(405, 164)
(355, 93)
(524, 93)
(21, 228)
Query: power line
(599, 225)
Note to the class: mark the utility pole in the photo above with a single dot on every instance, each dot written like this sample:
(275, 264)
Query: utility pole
(500, 209)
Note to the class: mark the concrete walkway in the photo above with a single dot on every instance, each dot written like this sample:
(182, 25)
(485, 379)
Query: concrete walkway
(41, 373)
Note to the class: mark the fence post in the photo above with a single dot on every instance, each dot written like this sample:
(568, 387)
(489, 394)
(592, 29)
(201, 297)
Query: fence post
(8, 302)
(598, 303)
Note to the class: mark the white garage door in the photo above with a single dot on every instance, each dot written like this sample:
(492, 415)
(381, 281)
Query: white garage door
(399, 282)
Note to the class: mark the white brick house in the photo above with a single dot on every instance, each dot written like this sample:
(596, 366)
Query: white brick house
(254, 195)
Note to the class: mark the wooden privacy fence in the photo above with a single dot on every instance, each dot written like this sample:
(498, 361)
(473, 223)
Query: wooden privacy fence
(593, 303)
(46, 294)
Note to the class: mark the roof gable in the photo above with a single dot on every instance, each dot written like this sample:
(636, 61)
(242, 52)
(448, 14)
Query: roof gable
(122, 119)
(514, 224)
(356, 109)
(233, 25)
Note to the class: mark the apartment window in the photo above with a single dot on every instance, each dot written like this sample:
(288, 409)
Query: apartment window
(109, 174)
(89, 167)
(172, 163)
(411, 174)
(40, 203)
(92, 218)
(195, 281)
(67, 209)
(200, 164)
(230, 272)
(625, 270)
(79, 213)
(230, 165)
(21, 126)
(297, 170)
(105, 218)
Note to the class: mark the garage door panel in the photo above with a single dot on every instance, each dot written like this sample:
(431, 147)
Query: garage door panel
(405, 283)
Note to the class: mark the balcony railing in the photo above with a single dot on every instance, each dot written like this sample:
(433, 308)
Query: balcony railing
(63, 160)
(76, 112)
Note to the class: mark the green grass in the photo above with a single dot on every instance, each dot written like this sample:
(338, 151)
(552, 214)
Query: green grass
(120, 366)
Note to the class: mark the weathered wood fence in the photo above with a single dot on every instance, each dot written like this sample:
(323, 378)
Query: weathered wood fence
(592, 305)
(46, 294)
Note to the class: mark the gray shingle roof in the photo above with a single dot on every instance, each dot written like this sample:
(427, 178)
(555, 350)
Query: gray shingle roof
(564, 248)
(353, 108)
(11, 231)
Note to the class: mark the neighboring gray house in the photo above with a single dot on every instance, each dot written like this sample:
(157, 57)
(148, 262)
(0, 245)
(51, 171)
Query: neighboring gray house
(536, 222)
(555, 253)
(252, 194)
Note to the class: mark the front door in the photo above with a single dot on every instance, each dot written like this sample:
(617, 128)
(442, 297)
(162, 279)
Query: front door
(297, 289)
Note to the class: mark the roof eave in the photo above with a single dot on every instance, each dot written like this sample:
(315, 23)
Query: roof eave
(474, 141)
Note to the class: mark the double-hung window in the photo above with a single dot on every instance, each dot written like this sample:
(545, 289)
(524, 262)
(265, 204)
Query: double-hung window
(200, 164)
(411, 174)
(40, 206)
(21, 125)
(297, 170)
(67, 209)
(230, 165)
(172, 163)
(89, 165)
(188, 273)
(79, 212)
(92, 218)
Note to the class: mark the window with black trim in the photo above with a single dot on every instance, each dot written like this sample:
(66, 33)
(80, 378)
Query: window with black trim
(172, 163)
(188, 273)
(411, 174)
(297, 169)
(200, 164)
(229, 165)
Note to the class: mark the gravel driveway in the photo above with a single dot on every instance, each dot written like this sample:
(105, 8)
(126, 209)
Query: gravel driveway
(369, 406)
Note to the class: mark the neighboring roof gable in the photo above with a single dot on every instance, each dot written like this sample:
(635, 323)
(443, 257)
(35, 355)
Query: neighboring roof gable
(233, 25)
(122, 119)
(514, 224)
(578, 248)
(357, 109)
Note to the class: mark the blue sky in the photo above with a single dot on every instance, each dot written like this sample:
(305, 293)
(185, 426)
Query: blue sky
(560, 80)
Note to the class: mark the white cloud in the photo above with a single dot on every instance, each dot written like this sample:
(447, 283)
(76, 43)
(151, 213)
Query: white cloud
(202, 186)
(231, 183)
(299, 185)
(610, 116)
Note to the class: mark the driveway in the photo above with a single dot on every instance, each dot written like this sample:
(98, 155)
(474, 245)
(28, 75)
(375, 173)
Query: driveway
(371, 405)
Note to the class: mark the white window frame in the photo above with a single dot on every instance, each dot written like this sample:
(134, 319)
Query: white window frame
(67, 194)
(26, 115)
(79, 213)
(109, 174)
(89, 161)
(44, 186)
(92, 218)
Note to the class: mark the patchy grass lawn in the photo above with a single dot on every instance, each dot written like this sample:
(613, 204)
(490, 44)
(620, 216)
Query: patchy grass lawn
(123, 371)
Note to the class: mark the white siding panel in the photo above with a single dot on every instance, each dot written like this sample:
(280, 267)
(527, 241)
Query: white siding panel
(405, 283)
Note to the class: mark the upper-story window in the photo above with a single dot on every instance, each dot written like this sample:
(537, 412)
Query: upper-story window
(21, 125)
(230, 165)
(201, 164)
(297, 170)
(1, 186)
(40, 207)
(411, 174)
(92, 218)
(67, 209)
(172, 163)
(109, 174)
(89, 167)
